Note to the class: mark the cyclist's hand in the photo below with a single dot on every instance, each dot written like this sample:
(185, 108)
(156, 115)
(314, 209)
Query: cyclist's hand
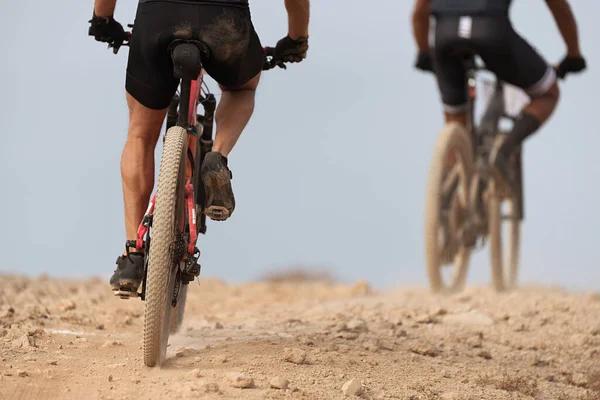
(290, 50)
(424, 61)
(107, 30)
(570, 64)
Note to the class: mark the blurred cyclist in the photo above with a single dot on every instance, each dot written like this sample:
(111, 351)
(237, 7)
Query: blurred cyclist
(482, 27)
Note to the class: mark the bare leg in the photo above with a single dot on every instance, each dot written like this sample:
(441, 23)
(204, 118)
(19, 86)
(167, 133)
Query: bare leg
(137, 162)
(233, 113)
(460, 118)
(532, 117)
(543, 106)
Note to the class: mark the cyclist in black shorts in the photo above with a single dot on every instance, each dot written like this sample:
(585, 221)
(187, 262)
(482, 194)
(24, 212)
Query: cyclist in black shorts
(445, 30)
(235, 62)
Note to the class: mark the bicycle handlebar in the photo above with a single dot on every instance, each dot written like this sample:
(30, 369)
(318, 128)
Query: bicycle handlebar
(271, 61)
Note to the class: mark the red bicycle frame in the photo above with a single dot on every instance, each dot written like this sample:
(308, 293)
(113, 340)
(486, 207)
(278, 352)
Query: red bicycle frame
(190, 206)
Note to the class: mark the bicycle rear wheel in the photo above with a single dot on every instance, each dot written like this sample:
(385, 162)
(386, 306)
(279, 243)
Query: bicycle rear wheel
(447, 208)
(166, 248)
(504, 267)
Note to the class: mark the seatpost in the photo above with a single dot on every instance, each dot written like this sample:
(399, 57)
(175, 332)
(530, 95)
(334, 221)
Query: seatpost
(184, 102)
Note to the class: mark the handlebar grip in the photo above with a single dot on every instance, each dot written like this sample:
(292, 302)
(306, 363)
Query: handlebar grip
(269, 51)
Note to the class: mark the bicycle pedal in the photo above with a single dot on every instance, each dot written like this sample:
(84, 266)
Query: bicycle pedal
(125, 294)
(217, 213)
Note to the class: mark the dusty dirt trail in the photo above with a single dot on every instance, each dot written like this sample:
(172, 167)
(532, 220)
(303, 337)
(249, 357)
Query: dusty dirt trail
(74, 340)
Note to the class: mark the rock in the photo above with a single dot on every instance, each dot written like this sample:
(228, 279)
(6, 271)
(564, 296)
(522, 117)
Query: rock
(279, 383)
(356, 325)
(110, 378)
(25, 341)
(210, 387)
(469, 318)
(66, 305)
(182, 352)
(340, 326)
(195, 373)
(450, 396)
(579, 380)
(401, 333)
(22, 374)
(593, 297)
(591, 353)
(111, 343)
(424, 349)
(343, 348)
(463, 298)
(240, 381)
(439, 311)
(352, 388)
(520, 328)
(539, 362)
(361, 288)
(218, 325)
(425, 319)
(475, 342)
(485, 354)
(100, 327)
(386, 345)
(305, 340)
(347, 335)
(222, 359)
(371, 345)
(295, 356)
(53, 362)
(577, 340)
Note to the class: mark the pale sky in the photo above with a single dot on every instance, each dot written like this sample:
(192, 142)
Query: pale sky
(330, 172)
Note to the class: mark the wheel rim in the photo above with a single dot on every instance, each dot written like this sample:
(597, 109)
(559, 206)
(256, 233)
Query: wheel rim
(454, 190)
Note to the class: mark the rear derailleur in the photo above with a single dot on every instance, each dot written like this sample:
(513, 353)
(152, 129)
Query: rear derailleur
(190, 268)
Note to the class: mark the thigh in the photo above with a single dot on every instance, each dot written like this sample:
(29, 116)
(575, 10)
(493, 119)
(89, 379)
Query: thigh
(236, 54)
(449, 66)
(150, 77)
(512, 58)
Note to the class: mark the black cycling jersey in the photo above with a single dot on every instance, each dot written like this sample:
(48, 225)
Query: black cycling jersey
(224, 2)
(470, 7)
(232, 3)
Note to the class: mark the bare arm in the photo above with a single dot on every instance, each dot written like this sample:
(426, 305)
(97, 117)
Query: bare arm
(565, 20)
(298, 17)
(104, 8)
(420, 22)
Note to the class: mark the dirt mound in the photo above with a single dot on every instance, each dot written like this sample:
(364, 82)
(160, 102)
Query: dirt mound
(301, 338)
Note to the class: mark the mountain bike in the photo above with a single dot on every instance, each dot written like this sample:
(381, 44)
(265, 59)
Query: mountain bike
(465, 206)
(175, 217)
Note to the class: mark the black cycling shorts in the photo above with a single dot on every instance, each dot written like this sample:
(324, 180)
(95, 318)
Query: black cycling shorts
(236, 54)
(503, 50)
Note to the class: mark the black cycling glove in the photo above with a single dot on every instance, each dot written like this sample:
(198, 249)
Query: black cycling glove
(424, 61)
(570, 64)
(107, 30)
(290, 50)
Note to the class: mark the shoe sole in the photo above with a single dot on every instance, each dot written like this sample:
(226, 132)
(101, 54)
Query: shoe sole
(126, 289)
(218, 185)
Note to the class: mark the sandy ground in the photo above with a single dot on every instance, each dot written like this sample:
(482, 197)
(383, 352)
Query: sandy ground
(74, 340)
